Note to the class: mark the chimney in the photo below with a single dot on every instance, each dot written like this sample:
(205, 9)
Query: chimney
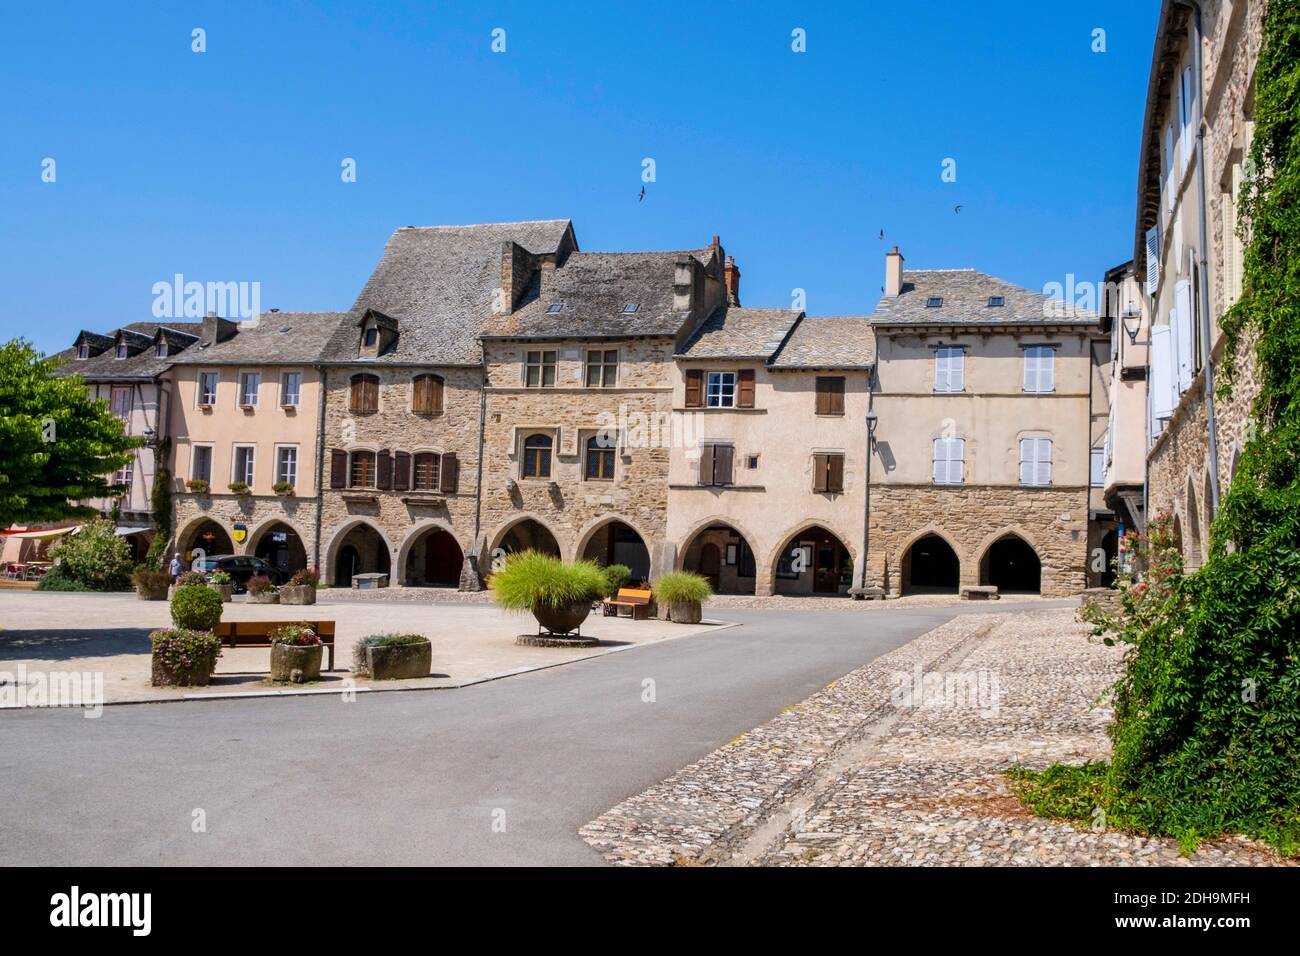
(732, 273)
(216, 329)
(893, 272)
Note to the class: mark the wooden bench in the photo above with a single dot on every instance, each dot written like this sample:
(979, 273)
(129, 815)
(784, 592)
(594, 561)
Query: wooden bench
(257, 634)
(631, 598)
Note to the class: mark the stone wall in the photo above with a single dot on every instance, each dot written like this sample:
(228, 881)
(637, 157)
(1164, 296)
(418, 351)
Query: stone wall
(258, 514)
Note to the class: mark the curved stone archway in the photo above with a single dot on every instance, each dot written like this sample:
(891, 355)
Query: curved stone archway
(813, 559)
(930, 565)
(357, 547)
(722, 553)
(1011, 564)
(613, 539)
(430, 556)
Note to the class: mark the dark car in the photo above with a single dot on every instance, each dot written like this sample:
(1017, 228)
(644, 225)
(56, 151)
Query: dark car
(240, 568)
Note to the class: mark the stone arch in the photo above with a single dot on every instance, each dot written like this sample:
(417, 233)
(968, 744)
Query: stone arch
(188, 537)
(704, 551)
(826, 573)
(338, 542)
(499, 539)
(1011, 563)
(443, 575)
(943, 579)
(1192, 556)
(291, 557)
(628, 554)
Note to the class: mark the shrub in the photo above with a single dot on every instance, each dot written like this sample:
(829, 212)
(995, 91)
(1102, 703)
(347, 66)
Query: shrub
(220, 578)
(186, 653)
(57, 579)
(260, 584)
(196, 607)
(95, 557)
(617, 576)
(192, 577)
(147, 579)
(531, 579)
(298, 635)
(238, 487)
(197, 486)
(305, 577)
(680, 587)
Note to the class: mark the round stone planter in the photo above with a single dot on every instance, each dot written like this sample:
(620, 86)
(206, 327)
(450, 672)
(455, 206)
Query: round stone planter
(295, 664)
(298, 594)
(227, 591)
(399, 661)
(266, 597)
(562, 620)
(152, 594)
(685, 612)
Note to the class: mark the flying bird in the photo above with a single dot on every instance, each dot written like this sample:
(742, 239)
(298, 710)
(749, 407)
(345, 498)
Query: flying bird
(642, 196)
(957, 209)
(882, 234)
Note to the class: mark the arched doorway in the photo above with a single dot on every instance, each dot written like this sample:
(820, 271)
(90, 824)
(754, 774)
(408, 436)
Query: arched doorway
(281, 547)
(617, 542)
(1110, 554)
(209, 537)
(434, 559)
(529, 535)
(930, 566)
(362, 550)
(814, 561)
(720, 553)
(1011, 565)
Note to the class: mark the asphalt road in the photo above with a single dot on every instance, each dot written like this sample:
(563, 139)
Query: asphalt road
(501, 773)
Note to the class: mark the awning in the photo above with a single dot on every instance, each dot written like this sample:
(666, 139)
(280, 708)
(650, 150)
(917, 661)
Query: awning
(44, 534)
(122, 531)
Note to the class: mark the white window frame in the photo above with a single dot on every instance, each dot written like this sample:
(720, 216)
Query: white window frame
(250, 463)
(1097, 467)
(212, 457)
(279, 476)
(83, 352)
(1036, 462)
(950, 369)
(198, 391)
(244, 377)
(284, 392)
(945, 468)
(722, 387)
(1040, 369)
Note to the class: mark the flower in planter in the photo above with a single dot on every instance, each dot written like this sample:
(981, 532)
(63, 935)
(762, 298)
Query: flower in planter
(296, 635)
(239, 488)
(220, 578)
(305, 577)
(197, 486)
(183, 656)
(192, 577)
(261, 584)
(283, 488)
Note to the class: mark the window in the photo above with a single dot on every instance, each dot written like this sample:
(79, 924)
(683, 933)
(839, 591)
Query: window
(751, 462)
(934, 302)
(602, 368)
(716, 464)
(1039, 368)
(371, 337)
(365, 393)
(555, 307)
(537, 456)
(426, 395)
(997, 301)
(201, 463)
(1036, 461)
(245, 460)
(425, 476)
(121, 401)
(286, 464)
(600, 458)
(949, 369)
(83, 351)
(631, 307)
(161, 349)
(828, 473)
(1098, 468)
(207, 388)
(122, 350)
(539, 369)
(362, 472)
(124, 475)
(290, 389)
(722, 390)
(830, 395)
(249, 383)
(949, 460)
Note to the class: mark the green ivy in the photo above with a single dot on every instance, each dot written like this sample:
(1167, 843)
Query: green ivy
(160, 500)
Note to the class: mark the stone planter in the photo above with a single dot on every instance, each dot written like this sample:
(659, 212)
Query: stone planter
(153, 594)
(562, 620)
(399, 661)
(227, 591)
(685, 612)
(298, 594)
(296, 664)
(266, 597)
(163, 676)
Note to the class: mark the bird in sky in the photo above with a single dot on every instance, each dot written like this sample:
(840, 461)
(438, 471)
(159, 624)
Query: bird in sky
(957, 209)
(642, 196)
(882, 234)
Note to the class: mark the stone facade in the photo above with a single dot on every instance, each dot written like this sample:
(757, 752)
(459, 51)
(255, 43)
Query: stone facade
(258, 515)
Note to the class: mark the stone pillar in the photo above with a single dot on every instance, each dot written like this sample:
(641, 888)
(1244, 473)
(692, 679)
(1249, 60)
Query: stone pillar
(663, 558)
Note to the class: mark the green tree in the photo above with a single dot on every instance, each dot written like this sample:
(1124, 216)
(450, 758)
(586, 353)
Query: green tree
(57, 444)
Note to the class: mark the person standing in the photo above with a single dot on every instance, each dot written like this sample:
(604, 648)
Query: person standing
(177, 566)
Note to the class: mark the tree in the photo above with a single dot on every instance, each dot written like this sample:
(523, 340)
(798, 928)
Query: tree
(57, 444)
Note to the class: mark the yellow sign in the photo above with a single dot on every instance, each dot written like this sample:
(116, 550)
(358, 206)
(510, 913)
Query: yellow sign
(241, 532)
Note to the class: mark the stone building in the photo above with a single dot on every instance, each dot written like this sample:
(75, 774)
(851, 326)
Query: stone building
(1193, 162)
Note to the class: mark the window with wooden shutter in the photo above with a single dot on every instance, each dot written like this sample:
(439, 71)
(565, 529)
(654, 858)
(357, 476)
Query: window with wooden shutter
(338, 468)
(949, 369)
(830, 395)
(384, 470)
(828, 473)
(723, 464)
(401, 471)
(450, 481)
(362, 470)
(1153, 258)
(706, 464)
(820, 470)
(365, 394)
(426, 396)
(426, 472)
(745, 388)
(949, 461)
(695, 388)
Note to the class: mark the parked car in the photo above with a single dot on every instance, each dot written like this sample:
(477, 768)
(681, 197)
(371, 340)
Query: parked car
(240, 568)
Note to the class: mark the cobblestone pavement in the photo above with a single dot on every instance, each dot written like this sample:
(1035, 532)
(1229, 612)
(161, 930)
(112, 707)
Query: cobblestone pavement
(861, 773)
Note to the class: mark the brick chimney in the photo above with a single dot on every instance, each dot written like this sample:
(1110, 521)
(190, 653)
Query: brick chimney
(732, 273)
(893, 272)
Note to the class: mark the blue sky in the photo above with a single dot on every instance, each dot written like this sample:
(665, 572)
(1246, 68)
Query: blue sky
(225, 165)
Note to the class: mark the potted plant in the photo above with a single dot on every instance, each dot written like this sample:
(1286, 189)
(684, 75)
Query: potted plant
(239, 488)
(191, 577)
(223, 584)
(558, 593)
(301, 588)
(197, 486)
(683, 593)
(183, 657)
(283, 488)
(196, 607)
(262, 590)
(295, 654)
(151, 584)
(392, 656)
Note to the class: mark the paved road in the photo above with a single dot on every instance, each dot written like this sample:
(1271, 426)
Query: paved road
(420, 777)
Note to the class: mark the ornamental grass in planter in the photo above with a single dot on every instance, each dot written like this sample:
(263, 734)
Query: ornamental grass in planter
(183, 657)
(262, 590)
(558, 593)
(295, 654)
(392, 656)
(223, 584)
(196, 607)
(301, 588)
(684, 594)
(151, 585)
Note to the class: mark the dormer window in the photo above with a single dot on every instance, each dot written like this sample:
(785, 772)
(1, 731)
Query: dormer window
(161, 350)
(378, 334)
(371, 338)
(83, 351)
(555, 307)
(996, 301)
(934, 302)
(631, 307)
(121, 350)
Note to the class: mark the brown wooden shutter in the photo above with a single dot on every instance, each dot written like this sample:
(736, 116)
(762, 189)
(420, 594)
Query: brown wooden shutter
(723, 459)
(436, 389)
(830, 395)
(706, 464)
(819, 473)
(835, 473)
(420, 395)
(745, 388)
(338, 468)
(449, 474)
(694, 388)
(401, 471)
(383, 470)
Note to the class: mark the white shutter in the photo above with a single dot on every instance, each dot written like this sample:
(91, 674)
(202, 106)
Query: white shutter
(956, 459)
(1162, 372)
(1043, 462)
(940, 464)
(948, 457)
(1184, 335)
(1031, 370)
(1097, 478)
(948, 369)
(1153, 259)
(1027, 461)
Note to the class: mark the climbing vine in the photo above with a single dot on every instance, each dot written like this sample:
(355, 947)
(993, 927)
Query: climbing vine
(160, 501)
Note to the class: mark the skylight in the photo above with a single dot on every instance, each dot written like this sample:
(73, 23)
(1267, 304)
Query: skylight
(631, 307)
(555, 307)
(934, 302)
(996, 301)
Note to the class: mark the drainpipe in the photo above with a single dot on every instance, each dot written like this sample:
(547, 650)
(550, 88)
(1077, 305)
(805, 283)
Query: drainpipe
(864, 585)
(323, 374)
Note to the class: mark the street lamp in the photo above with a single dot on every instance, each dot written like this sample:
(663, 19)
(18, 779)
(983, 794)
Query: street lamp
(1132, 322)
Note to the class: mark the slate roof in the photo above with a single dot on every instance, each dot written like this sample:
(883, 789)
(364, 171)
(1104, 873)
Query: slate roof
(732, 332)
(966, 295)
(839, 342)
(145, 364)
(438, 283)
(592, 289)
(279, 338)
